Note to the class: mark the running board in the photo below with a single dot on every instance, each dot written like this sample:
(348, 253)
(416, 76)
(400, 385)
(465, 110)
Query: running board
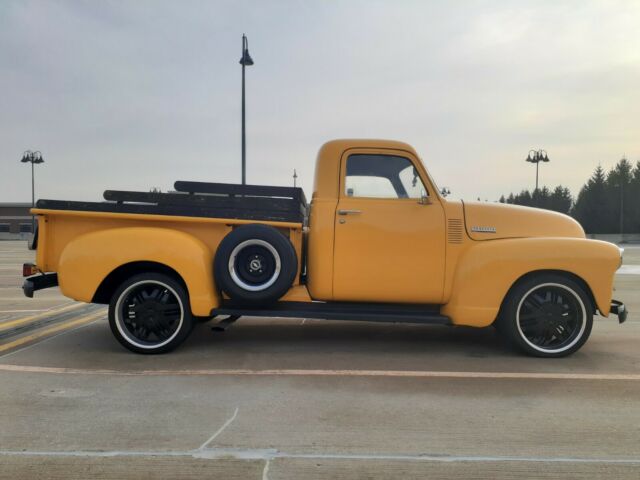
(366, 312)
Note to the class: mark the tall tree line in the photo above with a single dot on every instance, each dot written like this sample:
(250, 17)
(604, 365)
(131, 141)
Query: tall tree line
(600, 202)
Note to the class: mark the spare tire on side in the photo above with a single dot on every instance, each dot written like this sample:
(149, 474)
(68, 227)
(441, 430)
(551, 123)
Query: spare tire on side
(255, 265)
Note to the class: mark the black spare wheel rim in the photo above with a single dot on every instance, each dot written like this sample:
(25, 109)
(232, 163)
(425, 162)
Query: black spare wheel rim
(254, 265)
(551, 318)
(149, 314)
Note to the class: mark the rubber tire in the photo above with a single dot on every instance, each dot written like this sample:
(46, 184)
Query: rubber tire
(187, 322)
(507, 318)
(288, 265)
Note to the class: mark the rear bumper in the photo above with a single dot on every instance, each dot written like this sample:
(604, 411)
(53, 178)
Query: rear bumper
(618, 308)
(39, 282)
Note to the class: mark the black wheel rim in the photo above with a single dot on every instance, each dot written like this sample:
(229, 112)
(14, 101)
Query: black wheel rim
(149, 314)
(551, 318)
(255, 265)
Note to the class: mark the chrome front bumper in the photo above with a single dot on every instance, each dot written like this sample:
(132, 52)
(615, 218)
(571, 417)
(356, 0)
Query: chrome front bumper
(618, 308)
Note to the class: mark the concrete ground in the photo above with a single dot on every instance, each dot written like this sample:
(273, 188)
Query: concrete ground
(292, 399)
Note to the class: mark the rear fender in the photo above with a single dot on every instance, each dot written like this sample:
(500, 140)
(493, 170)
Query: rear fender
(87, 260)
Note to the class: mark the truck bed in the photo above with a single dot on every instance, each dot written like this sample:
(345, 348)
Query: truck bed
(200, 199)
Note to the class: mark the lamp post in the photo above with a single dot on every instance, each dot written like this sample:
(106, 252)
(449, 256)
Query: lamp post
(295, 178)
(621, 186)
(245, 61)
(537, 156)
(33, 158)
(621, 208)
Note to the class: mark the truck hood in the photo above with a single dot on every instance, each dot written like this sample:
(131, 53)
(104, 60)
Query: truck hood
(489, 221)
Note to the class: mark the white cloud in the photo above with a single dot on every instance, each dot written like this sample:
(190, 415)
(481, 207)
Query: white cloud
(131, 95)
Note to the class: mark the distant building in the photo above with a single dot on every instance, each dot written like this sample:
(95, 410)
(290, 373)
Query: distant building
(15, 220)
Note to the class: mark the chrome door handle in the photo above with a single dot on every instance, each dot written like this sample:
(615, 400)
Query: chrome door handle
(348, 212)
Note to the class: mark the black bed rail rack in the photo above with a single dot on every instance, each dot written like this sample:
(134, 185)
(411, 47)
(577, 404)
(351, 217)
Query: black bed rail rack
(201, 199)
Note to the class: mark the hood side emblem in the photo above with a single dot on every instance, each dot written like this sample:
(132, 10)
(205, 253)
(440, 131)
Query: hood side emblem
(484, 229)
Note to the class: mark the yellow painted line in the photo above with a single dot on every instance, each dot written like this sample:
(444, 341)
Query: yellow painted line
(21, 321)
(328, 373)
(58, 328)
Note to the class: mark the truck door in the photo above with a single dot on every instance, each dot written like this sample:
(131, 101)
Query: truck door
(389, 230)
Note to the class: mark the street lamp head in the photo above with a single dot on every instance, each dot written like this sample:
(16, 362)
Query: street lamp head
(32, 157)
(246, 59)
(26, 156)
(536, 156)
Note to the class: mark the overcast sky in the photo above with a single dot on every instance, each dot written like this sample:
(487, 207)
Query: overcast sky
(138, 94)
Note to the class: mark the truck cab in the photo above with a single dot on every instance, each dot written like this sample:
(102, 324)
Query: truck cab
(369, 198)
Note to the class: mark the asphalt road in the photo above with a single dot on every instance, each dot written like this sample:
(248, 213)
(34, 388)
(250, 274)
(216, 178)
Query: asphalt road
(293, 399)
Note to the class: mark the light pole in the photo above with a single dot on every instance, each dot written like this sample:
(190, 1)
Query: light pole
(33, 158)
(245, 61)
(537, 156)
(621, 209)
(621, 185)
(295, 178)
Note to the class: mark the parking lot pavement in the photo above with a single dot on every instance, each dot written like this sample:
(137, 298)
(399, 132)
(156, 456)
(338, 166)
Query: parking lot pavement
(276, 399)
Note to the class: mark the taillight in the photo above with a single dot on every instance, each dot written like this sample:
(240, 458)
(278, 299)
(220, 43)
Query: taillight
(29, 269)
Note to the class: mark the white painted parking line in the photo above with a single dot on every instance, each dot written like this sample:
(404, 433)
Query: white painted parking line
(267, 454)
(325, 373)
(629, 270)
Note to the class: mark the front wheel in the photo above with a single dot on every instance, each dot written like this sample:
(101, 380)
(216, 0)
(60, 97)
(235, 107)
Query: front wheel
(547, 315)
(149, 313)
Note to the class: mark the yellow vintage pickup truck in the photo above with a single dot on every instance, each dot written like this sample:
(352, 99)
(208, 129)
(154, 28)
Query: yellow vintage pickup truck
(378, 242)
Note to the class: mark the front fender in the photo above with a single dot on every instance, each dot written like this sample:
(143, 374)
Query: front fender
(487, 270)
(87, 260)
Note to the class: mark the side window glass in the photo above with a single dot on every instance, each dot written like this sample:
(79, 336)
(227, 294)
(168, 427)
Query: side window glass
(382, 176)
(369, 186)
(412, 183)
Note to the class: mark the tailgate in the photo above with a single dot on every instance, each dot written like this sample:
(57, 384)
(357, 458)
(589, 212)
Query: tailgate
(38, 242)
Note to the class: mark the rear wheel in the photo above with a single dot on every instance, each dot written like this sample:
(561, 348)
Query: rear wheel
(149, 313)
(547, 315)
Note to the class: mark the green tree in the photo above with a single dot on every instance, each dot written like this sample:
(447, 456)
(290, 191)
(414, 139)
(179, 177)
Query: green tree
(603, 202)
(540, 198)
(634, 202)
(560, 200)
(619, 196)
(592, 205)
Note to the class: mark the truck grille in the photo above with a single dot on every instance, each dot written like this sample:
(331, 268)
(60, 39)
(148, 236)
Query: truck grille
(454, 231)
